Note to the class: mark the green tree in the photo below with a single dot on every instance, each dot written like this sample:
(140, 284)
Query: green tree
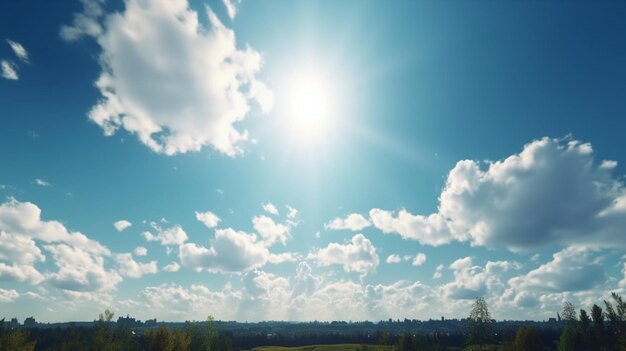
(159, 339)
(406, 342)
(597, 318)
(617, 317)
(479, 324)
(528, 339)
(569, 312)
(17, 340)
(571, 339)
(102, 339)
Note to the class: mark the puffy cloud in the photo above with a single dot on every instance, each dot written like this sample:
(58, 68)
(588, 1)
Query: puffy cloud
(572, 269)
(608, 164)
(8, 295)
(172, 267)
(270, 231)
(359, 255)
(471, 281)
(430, 230)
(353, 222)
(419, 259)
(230, 252)
(283, 257)
(128, 267)
(9, 70)
(231, 7)
(18, 50)
(42, 182)
(85, 23)
(554, 185)
(393, 258)
(167, 78)
(167, 237)
(270, 208)
(140, 251)
(80, 270)
(122, 225)
(208, 218)
(24, 219)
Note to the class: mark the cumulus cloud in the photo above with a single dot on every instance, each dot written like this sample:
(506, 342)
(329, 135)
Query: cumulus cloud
(554, 185)
(122, 225)
(270, 231)
(176, 84)
(172, 267)
(8, 295)
(140, 251)
(128, 267)
(79, 270)
(208, 218)
(167, 237)
(18, 50)
(471, 281)
(572, 269)
(230, 252)
(9, 70)
(353, 222)
(270, 208)
(393, 258)
(359, 255)
(419, 259)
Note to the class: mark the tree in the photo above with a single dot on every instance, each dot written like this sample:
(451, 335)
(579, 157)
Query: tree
(571, 339)
(617, 318)
(479, 323)
(569, 312)
(528, 339)
(103, 334)
(17, 340)
(597, 318)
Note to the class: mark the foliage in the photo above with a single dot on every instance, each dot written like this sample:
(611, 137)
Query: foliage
(528, 339)
(569, 312)
(479, 324)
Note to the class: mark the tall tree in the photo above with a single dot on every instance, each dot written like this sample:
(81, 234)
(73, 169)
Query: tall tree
(569, 312)
(528, 339)
(479, 324)
(597, 318)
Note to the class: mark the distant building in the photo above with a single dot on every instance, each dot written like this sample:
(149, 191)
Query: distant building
(129, 321)
(552, 320)
(150, 322)
(14, 323)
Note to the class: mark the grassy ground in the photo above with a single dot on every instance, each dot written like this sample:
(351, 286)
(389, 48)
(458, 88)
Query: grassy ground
(336, 347)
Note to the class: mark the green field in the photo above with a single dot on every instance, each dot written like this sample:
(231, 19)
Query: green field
(336, 347)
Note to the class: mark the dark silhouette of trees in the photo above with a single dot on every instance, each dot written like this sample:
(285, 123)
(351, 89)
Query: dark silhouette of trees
(479, 324)
(528, 339)
(569, 312)
(599, 337)
(616, 315)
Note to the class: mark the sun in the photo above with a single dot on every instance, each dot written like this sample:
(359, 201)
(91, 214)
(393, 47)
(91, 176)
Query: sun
(311, 109)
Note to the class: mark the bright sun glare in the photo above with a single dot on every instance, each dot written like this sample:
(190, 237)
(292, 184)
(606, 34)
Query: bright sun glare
(310, 107)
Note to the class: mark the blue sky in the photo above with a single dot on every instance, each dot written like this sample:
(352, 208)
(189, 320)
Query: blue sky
(310, 159)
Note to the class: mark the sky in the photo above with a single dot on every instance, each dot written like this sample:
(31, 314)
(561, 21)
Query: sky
(310, 160)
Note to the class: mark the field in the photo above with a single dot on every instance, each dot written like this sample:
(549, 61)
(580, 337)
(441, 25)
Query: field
(336, 347)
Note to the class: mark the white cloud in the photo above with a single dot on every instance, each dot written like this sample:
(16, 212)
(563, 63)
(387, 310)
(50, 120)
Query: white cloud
(270, 208)
(270, 231)
(353, 222)
(283, 257)
(18, 50)
(140, 251)
(172, 267)
(42, 182)
(9, 70)
(167, 237)
(438, 272)
(80, 270)
(85, 23)
(393, 258)
(563, 196)
(208, 218)
(8, 295)
(419, 259)
(359, 255)
(175, 83)
(572, 269)
(122, 225)
(128, 267)
(231, 7)
(230, 252)
(471, 281)
(292, 213)
(608, 164)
